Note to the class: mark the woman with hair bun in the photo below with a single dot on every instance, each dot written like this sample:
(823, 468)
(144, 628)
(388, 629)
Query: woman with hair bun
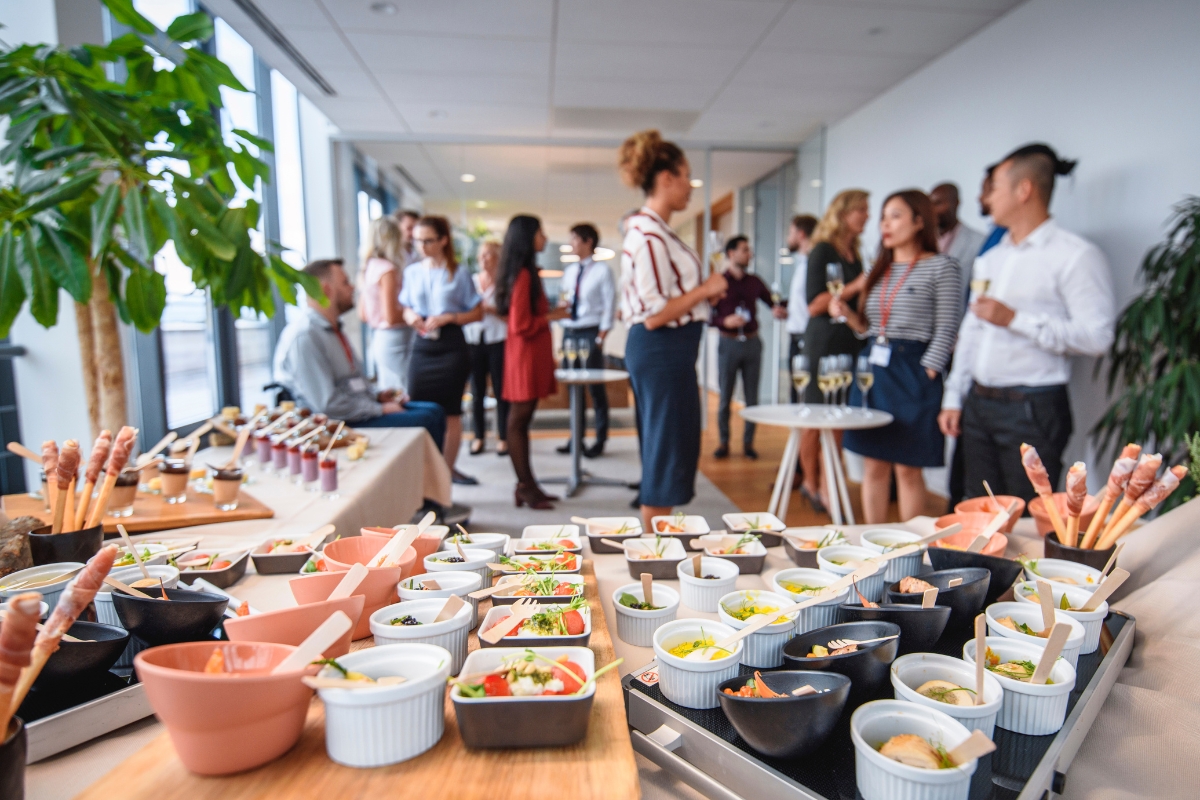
(665, 301)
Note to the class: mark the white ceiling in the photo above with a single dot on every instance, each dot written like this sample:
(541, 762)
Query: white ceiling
(728, 72)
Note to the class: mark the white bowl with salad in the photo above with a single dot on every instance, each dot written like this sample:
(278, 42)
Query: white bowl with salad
(765, 648)
(1034, 710)
(948, 684)
(570, 544)
(693, 684)
(746, 550)
(636, 620)
(1057, 570)
(842, 559)
(884, 540)
(800, 583)
(451, 583)
(380, 724)
(615, 528)
(551, 588)
(450, 561)
(1067, 601)
(802, 544)
(496, 542)
(411, 622)
(884, 730)
(679, 524)
(657, 555)
(151, 554)
(1023, 622)
(766, 525)
(567, 624)
(718, 577)
(550, 531)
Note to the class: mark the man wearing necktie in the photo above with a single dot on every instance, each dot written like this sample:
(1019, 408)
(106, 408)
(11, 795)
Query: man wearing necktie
(591, 296)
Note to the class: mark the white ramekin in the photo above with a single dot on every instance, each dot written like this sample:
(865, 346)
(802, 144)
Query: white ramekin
(765, 648)
(477, 562)
(450, 634)
(1032, 616)
(1092, 621)
(388, 724)
(1035, 710)
(637, 627)
(822, 614)
(881, 778)
(1085, 577)
(911, 671)
(881, 540)
(871, 587)
(496, 542)
(459, 583)
(701, 594)
(693, 684)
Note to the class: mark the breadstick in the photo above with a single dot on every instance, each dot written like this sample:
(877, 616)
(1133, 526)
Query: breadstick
(1150, 499)
(69, 512)
(1139, 482)
(1076, 495)
(71, 603)
(1040, 479)
(16, 640)
(95, 466)
(68, 465)
(121, 449)
(50, 467)
(1118, 479)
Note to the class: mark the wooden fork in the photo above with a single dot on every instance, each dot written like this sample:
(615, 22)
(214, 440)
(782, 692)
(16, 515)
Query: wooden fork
(838, 644)
(522, 609)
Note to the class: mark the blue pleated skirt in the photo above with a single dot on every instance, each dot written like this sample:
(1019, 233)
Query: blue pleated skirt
(903, 390)
(662, 371)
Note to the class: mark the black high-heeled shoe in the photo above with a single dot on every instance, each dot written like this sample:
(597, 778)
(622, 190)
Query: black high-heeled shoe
(532, 497)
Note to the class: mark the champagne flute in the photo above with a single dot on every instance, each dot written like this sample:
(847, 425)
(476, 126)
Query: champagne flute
(835, 283)
(845, 378)
(866, 379)
(585, 348)
(571, 350)
(827, 381)
(801, 377)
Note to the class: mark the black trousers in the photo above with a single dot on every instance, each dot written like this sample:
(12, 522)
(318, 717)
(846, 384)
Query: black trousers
(599, 393)
(795, 348)
(488, 359)
(734, 356)
(994, 429)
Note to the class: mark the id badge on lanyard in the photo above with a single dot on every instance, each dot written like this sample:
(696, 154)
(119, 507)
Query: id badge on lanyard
(881, 353)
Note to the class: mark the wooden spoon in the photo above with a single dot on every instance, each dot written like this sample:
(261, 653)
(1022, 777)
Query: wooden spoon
(349, 582)
(1046, 600)
(1054, 647)
(648, 588)
(1105, 590)
(980, 653)
(976, 745)
(317, 642)
(116, 584)
(136, 556)
(450, 608)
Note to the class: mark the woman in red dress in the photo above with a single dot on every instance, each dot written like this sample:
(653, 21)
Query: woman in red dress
(528, 360)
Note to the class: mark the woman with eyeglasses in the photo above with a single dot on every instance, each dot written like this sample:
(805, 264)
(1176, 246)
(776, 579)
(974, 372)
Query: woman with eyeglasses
(438, 298)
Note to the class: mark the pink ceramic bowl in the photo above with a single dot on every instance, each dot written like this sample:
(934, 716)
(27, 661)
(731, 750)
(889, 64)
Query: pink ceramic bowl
(426, 544)
(984, 504)
(378, 590)
(292, 626)
(1037, 510)
(229, 722)
(962, 540)
(345, 553)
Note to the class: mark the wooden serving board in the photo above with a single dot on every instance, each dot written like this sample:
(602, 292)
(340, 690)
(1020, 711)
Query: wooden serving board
(602, 767)
(151, 513)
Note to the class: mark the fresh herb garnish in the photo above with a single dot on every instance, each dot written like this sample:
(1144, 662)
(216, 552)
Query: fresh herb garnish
(629, 601)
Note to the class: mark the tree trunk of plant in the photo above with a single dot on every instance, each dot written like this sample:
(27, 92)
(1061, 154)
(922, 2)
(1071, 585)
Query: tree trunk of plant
(87, 362)
(103, 364)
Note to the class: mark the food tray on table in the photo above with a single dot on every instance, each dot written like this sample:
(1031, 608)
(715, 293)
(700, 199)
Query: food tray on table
(701, 748)
(601, 767)
(151, 513)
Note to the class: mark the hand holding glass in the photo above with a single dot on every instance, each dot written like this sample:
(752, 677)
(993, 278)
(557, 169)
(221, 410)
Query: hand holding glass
(835, 282)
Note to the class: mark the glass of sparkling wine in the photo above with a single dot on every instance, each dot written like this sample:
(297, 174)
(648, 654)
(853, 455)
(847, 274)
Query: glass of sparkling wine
(571, 351)
(585, 348)
(866, 379)
(827, 378)
(844, 363)
(801, 377)
(835, 283)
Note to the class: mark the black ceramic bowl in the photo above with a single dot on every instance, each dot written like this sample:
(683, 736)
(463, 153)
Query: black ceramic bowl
(12, 761)
(1005, 571)
(102, 647)
(186, 617)
(221, 578)
(965, 600)
(920, 628)
(1096, 559)
(867, 668)
(52, 548)
(787, 727)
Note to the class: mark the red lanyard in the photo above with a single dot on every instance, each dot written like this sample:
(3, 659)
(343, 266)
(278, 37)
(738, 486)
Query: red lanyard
(885, 303)
(346, 346)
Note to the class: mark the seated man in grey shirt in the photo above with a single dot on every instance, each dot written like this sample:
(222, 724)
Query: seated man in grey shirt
(314, 362)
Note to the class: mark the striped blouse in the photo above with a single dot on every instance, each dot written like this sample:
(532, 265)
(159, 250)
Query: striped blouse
(657, 266)
(927, 308)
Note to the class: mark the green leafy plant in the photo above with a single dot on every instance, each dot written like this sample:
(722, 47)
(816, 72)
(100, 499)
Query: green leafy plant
(1154, 362)
(104, 174)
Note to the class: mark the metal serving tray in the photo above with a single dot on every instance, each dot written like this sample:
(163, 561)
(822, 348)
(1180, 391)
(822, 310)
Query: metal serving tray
(702, 749)
(109, 704)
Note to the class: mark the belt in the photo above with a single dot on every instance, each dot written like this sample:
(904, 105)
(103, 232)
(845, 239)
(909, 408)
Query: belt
(1013, 394)
(732, 335)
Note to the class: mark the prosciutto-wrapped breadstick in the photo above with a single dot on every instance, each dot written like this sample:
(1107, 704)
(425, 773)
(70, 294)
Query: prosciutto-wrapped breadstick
(122, 447)
(1139, 482)
(16, 641)
(1040, 479)
(95, 466)
(68, 466)
(1076, 495)
(1159, 491)
(50, 467)
(71, 603)
(1118, 479)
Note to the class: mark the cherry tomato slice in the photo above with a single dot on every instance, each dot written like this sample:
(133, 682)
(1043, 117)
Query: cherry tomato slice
(566, 673)
(574, 622)
(496, 686)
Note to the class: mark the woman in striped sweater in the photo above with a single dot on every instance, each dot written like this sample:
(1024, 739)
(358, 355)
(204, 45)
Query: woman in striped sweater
(913, 308)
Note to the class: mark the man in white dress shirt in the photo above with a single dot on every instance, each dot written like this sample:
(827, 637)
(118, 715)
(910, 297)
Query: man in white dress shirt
(954, 238)
(592, 299)
(1049, 297)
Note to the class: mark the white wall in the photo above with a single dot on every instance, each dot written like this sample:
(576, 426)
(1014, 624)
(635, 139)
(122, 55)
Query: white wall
(1113, 84)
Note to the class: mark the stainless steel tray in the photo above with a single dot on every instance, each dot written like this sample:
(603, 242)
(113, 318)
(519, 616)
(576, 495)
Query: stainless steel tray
(701, 749)
(58, 732)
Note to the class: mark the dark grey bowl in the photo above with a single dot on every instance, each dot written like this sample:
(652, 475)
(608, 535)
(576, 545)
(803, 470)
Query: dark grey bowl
(787, 727)
(920, 628)
(187, 617)
(222, 578)
(1096, 559)
(12, 761)
(515, 723)
(662, 569)
(801, 558)
(280, 563)
(965, 600)
(53, 548)
(75, 660)
(598, 546)
(1005, 571)
(867, 668)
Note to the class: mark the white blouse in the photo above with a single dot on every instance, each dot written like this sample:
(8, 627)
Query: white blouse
(656, 266)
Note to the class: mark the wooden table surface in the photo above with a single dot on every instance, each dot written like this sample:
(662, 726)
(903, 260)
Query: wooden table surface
(602, 767)
(152, 513)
